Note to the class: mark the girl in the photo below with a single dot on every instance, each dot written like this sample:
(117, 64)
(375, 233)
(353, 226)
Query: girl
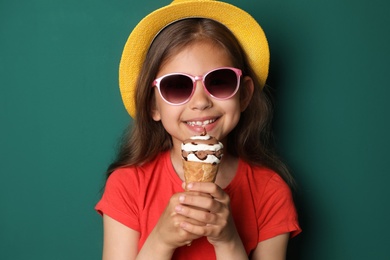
(248, 211)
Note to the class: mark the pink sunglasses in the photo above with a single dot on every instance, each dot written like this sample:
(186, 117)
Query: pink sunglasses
(178, 88)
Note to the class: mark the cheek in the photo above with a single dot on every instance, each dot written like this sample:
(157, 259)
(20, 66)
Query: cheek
(166, 113)
(233, 112)
(170, 119)
(158, 107)
(236, 116)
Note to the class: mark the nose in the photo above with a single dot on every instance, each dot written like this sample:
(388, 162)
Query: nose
(200, 99)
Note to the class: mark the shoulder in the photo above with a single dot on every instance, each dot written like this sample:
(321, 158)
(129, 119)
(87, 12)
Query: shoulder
(136, 173)
(132, 179)
(122, 176)
(269, 191)
(125, 190)
(273, 203)
(262, 179)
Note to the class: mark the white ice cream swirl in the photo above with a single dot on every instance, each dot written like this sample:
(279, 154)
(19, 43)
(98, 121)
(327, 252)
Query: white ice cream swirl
(202, 148)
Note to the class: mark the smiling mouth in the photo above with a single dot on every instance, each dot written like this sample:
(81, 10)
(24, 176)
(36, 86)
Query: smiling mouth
(201, 123)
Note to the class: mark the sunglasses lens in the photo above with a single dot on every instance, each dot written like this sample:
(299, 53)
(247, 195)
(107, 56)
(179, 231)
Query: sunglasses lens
(221, 83)
(176, 88)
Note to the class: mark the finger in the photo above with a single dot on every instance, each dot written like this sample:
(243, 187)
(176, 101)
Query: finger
(197, 214)
(201, 201)
(207, 187)
(196, 230)
(194, 221)
(177, 218)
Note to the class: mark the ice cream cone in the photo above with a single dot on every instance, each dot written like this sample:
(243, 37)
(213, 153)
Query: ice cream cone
(199, 172)
(201, 158)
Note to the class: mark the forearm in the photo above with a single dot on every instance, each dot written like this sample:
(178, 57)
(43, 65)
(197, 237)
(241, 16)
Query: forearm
(155, 250)
(231, 250)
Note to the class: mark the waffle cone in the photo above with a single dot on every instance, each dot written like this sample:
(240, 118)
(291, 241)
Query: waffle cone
(199, 172)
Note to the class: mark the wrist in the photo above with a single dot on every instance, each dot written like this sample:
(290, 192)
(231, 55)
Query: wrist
(232, 249)
(155, 248)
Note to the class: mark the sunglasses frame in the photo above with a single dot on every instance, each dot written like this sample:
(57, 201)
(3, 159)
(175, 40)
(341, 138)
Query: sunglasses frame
(238, 72)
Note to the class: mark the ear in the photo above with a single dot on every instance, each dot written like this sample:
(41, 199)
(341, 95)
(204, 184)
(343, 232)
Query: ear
(247, 87)
(155, 110)
(156, 114)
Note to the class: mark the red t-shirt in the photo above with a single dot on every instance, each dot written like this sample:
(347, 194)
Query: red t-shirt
(261, 203)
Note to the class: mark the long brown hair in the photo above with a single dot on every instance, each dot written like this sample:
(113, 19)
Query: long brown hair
(251, 140)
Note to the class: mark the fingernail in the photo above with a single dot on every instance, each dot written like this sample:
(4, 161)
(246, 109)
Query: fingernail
(178, 208)
(182, 198)
(190, 185)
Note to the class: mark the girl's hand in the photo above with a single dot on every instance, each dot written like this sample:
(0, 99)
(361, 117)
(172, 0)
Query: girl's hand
(168, 229)
(168, 235)
(208, 204)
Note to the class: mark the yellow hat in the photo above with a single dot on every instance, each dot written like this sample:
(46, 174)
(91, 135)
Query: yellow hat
(248, 32)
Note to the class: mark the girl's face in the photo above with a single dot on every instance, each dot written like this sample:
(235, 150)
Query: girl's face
(218, 117)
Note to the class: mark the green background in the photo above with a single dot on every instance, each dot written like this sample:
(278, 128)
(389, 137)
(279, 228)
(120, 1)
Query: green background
(61, 117)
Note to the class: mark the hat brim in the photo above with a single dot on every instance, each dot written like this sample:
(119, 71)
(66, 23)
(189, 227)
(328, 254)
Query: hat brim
(245, 28)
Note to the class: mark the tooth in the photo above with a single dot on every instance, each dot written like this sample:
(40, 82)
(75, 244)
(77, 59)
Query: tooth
(199, 123)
